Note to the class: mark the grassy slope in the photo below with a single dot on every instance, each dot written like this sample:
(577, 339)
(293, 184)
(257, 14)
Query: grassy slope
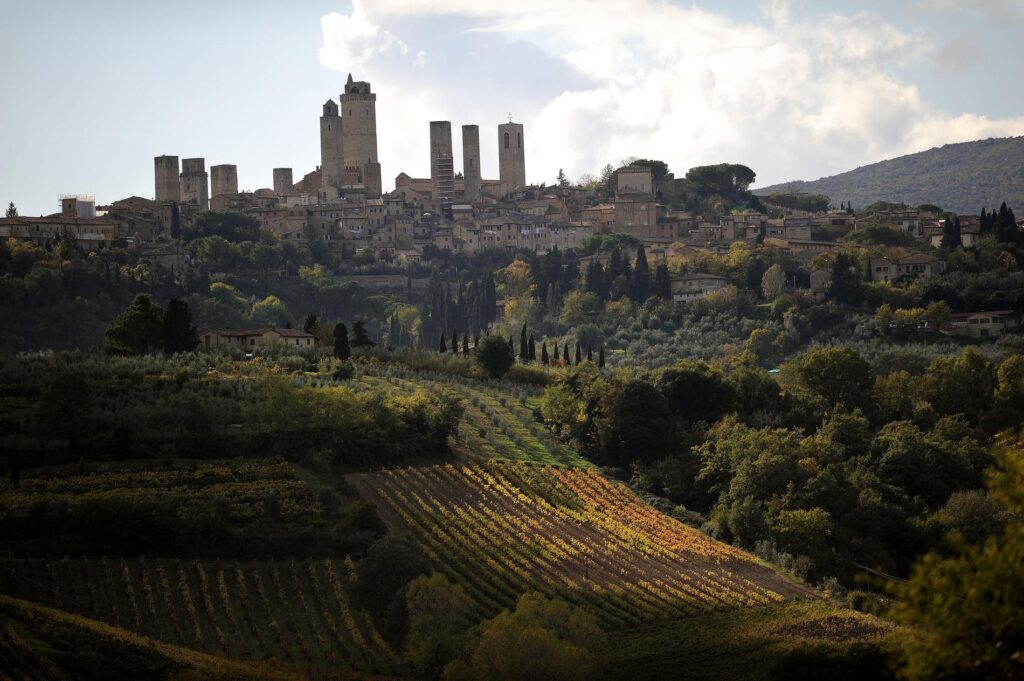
(961, 177)
(740, 644)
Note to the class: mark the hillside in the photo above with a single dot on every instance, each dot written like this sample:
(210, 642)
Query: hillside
(961, 177)
(506, 528)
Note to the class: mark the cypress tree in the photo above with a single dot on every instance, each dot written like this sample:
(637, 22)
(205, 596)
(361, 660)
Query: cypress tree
(565, 353)
(579, 354)
(600, 357)
(556, 353)
(590, 353)
(662, 282)
(544, 353)
(455, 343)
(533, 349)
(465, 344)
(640, 283)
(442, 347)
(179, 335)
(524, 350)
(341, 348)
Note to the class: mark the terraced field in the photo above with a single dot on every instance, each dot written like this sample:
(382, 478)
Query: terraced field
(496, 424)
(291, 612)
(502, 529)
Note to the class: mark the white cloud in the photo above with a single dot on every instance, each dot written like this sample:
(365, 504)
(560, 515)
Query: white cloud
(791, 98)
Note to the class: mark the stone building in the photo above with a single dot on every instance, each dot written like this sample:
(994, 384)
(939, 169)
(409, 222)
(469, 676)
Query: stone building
(166, 171)
(636, 211)
(194, 183)
(511, 157)
(223, 180)
(471, 162)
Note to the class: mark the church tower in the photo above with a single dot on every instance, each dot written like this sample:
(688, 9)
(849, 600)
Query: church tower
(331, 157)
(511, 157)
(359, 134)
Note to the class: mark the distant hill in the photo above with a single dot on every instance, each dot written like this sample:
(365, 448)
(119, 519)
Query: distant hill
(960, 177)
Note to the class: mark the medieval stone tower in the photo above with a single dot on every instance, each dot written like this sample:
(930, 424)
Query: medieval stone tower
(359, 135)
(331, 158)
(282, 181)
(511, 157)
(194, 181)
(442, 164)
(166, 171)
(223, 179)
(471, 162)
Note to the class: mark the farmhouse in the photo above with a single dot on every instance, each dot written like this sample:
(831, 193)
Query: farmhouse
(256, 338)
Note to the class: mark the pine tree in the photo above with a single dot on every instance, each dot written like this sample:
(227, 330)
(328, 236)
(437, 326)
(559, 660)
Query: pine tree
(579, 354)
(341, 347)
(544, 353)
(179, 333)
(12, 210)
(442, 347)
(360, 339)
(600, 357)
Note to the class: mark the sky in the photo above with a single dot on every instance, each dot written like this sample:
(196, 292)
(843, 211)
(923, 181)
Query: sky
(90, 92)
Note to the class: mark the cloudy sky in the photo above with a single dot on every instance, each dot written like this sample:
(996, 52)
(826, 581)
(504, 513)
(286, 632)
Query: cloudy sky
(91, 92)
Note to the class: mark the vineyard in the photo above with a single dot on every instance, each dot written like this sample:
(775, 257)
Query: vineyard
(292, 612)
(496, 423)
(502, 529)
(239, 487)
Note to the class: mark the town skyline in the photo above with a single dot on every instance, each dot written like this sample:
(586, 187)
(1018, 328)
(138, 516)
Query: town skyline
(583, 108)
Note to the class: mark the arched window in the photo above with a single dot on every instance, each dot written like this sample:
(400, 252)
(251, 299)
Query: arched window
(506, 140)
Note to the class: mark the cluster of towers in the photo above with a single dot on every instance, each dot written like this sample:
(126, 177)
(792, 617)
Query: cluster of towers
(348, 140)
(511, 161)
(348, 157)
(191, 184)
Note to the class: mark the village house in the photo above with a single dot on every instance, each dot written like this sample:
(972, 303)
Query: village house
(247, 339)
(697, 286)
(916, 265)
(984, 324)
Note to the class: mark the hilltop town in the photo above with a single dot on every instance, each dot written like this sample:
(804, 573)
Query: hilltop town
(654, 425)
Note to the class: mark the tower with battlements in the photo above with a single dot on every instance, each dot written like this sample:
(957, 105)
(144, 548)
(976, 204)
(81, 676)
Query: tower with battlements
(511, 158)
(359, 134)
